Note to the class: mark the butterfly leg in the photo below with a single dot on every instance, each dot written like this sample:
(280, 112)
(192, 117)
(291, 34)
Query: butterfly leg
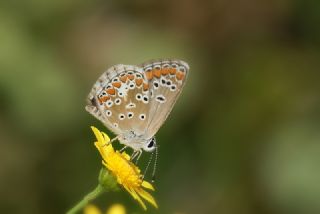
(123, 148)
(112, 140)
(140, 153)
(135, 154)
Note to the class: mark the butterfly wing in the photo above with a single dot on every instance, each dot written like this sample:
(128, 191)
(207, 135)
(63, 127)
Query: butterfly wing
(166, 79)
(120, 99)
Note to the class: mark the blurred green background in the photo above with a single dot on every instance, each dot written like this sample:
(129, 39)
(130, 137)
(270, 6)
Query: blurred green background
(243, 137)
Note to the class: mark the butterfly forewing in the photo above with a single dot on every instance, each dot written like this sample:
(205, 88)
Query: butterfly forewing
(120, 99)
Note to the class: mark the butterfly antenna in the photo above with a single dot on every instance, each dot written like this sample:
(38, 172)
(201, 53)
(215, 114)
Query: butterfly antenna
(149, 162)
(155, 166)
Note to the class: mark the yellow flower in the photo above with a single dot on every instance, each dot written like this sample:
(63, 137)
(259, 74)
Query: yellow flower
(91, 209)
(127, 173)
(114, 209)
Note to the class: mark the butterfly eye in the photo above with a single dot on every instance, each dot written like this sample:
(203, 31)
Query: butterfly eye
(150, 145)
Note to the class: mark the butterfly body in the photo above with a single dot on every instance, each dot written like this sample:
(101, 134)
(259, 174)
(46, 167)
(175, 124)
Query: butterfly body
(134, 101)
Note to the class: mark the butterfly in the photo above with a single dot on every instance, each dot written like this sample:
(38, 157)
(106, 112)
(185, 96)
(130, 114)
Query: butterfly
(134, 101)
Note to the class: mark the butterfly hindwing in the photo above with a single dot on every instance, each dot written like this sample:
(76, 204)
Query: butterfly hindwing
(166, 79)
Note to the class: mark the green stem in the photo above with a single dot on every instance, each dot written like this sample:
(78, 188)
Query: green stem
(89, 197)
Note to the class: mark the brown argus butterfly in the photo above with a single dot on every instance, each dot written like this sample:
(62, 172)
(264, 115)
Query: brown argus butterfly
(134, 101)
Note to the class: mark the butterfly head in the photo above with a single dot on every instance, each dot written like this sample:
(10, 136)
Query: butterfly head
(150, 145)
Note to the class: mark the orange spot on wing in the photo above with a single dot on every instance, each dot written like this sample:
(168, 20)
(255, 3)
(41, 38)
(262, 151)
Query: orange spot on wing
(180, 75)
(130, 76)
(173, 71)
(111, 91)
(165, 71)
(145, 86)
(149, 75)
(103, 99)
(117, 84)
(139, 82)
(157, 73)
(123, 78)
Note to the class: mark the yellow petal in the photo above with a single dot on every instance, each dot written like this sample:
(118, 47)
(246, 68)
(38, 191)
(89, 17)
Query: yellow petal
(106, 137)
(136, 197)
(91, 209)
(98, 135)
(116, 209)
(147, 185)
(125, 155)
(147, 196)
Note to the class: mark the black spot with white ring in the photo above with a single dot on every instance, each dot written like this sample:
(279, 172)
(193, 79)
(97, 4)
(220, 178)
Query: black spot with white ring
(142, 116)
(130, 115)
(161, 99)
(117, 101)
(156, 84)
(121, 116)
(109, 103)
(145, 99)
(138, 96)
(116, 79)
(120, 94)
(163, 82)
(132, 85)
(173, 88)
(108, 113)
